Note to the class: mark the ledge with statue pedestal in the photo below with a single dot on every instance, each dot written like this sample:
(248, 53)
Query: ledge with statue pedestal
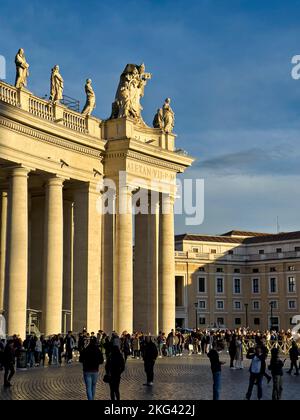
(53, 165)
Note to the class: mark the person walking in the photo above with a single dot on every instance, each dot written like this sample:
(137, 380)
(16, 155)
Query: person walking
(56, 345)
(29, 346)
(126, 348)
(257, 371)
(136, 346)
(49, 349)
(239, 354)
(161, 342)
(114, 368)
(38, 352)
(170, 344)
(276, 368)
(232, 351)
(294, 357)
(216, 368)
(265, 353)
(44, 350)
(2, 347)
(9, 363)
(70, 345)
(91, 358)
(150, 355)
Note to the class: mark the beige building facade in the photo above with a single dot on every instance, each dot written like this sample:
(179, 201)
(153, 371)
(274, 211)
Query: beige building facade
(238, 279)
(65, 262)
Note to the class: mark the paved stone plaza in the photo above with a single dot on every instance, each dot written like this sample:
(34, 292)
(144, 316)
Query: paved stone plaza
(186, 378)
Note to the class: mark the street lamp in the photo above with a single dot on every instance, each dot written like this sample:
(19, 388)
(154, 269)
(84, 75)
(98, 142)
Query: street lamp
(246, 307)
(271, 321)
(196, 310)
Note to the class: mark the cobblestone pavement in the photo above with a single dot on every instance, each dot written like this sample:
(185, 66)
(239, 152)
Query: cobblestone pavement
(184, 378)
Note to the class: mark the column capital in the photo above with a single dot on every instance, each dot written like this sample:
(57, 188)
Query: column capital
(55, 181)
(89, 188)
(128, 189)
(169, 197)
(124, 199)
(167, 204)
(20, 170)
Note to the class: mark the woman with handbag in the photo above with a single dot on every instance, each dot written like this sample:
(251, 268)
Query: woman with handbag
(91, 358)
(114, 368)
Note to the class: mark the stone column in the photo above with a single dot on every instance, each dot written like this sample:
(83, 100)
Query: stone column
(167, 265)
(87, 260)
(53, 274)
(17, 252)
(123, 267)
(36, 251)
(68, 263)
(3, 198)
(146, 270)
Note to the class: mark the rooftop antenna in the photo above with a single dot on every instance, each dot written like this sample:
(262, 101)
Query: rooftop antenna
(278, 225)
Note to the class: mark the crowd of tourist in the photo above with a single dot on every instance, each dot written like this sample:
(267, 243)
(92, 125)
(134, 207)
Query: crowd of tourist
(95, 349)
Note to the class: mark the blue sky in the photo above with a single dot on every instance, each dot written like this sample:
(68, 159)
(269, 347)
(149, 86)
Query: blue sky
(226, 64)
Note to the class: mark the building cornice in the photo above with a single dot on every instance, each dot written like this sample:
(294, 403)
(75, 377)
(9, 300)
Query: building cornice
(50, 139)
(140, 157)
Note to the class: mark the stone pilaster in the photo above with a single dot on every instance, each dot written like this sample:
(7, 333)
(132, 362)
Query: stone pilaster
(123, 265)
(3, 198)
(17, 252)
(167, 302)
(107, 283)
(87, 260)
(53, 261)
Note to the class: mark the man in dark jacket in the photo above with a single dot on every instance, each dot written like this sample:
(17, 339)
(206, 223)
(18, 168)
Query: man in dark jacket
(276, 368)
(91, 358)
(150, 354)
(9, 363)
(265, 352)
(294, 356)
(70, 344)
(2, 347)
(216, 368)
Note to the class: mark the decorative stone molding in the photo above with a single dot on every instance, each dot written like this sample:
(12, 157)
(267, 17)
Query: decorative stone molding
(155, 161)
(38, 135)
(146, 159)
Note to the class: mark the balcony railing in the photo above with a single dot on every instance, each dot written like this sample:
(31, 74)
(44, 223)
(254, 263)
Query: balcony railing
(8, 94)
(41, 108)
(236, 258)
(75, 121)
(47, 110)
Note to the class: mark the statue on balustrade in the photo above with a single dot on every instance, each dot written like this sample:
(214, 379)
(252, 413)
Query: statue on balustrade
(22, 69)
(168, 116)
(90, 104)
(158, 121)
(165, 117)
(56, 86)
(130, 91)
